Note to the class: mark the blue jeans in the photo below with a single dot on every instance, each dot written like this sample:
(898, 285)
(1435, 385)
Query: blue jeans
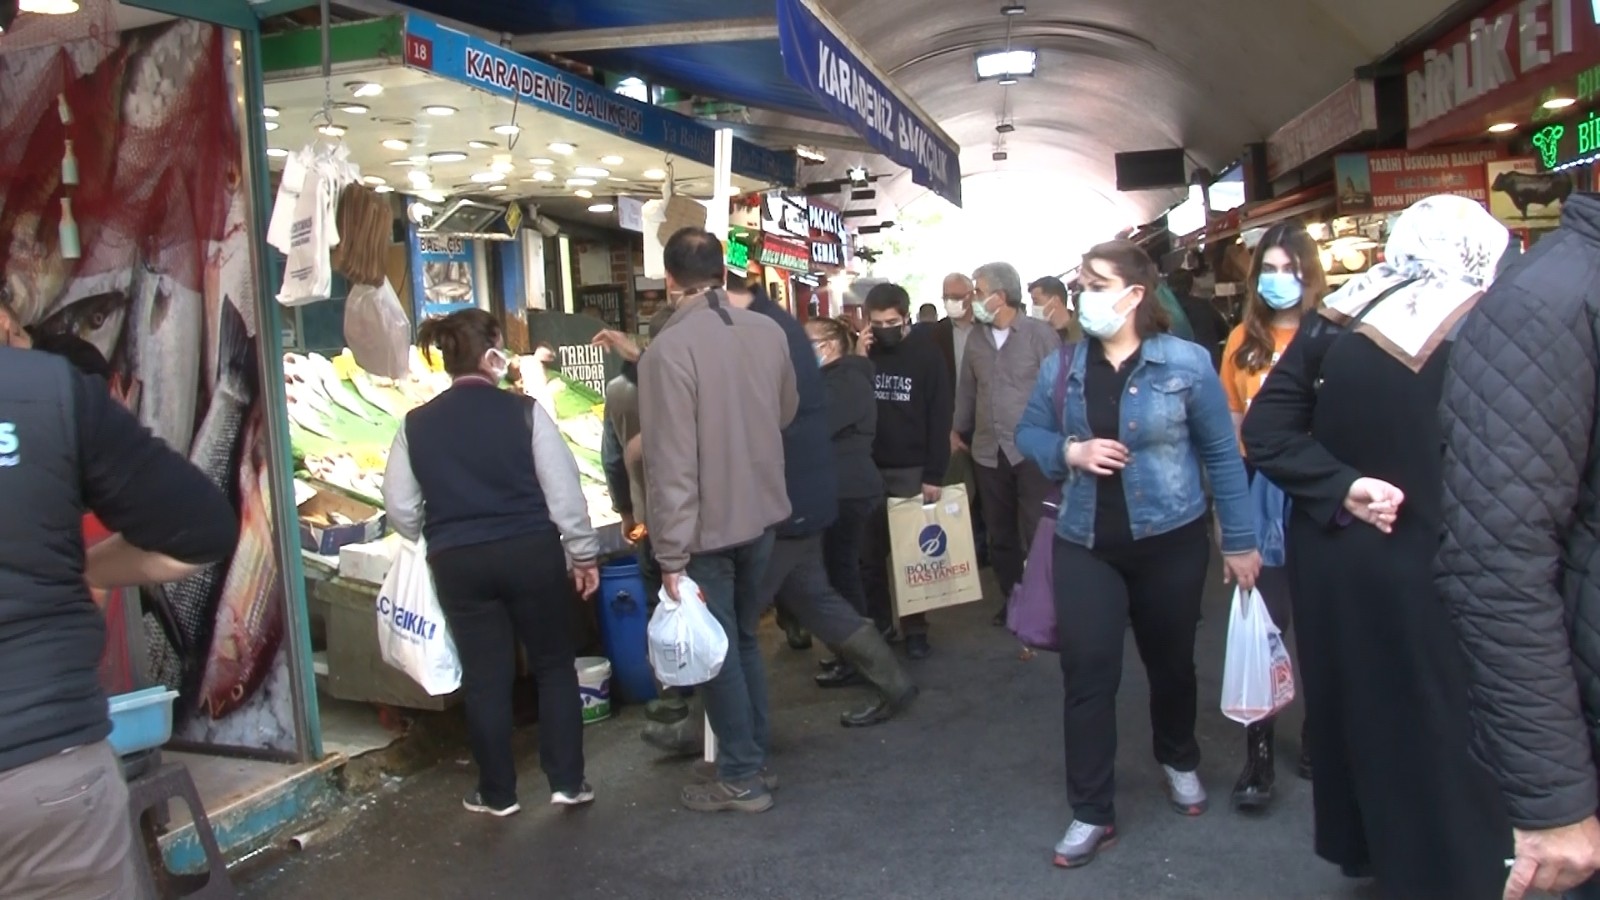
(736, 700)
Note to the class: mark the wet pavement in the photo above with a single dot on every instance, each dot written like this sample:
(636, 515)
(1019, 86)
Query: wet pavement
(962, 798)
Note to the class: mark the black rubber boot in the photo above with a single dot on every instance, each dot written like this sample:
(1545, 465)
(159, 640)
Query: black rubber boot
(1303, 769)
(1253, 791)
(685, 737)
(877, 664)
(842, 675)
(798, 637)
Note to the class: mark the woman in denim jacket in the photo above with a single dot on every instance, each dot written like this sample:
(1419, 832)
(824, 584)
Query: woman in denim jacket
(1144, 422)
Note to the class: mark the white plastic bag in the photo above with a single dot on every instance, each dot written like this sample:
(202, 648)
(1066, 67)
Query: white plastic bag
(687, 643)
(377, 331)
(412, 635)
(1257, 678)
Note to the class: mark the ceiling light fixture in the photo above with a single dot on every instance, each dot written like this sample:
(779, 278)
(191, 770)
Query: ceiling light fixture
(364, 88)
(332, 130)
(271, 126)
(1005, 128)
(612, 160)
(270, 112)
(633, 86)
(419, 178)
(563, 149)
(544, 176)
(999, 156)
(1013, 9)
(1502, 127)
(654, 174)
(508, 129)
(49, 7)
(487, 177)
(617, 179)
(355, 109)
(439, 110)
(542, 161)
(602, 208)
(1559, 102)
(1006, 65)
(580, 182)
(497, 187)
(277, 152)
(858, 174)
(375, 180)
(810, 154)
(591, 172)
(433, 196)
(583, 193)
(383, 189)
(404, 162)
(482, 145)
(447, 156)
(396, 144)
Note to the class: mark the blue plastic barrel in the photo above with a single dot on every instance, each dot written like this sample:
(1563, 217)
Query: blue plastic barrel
(624, 618)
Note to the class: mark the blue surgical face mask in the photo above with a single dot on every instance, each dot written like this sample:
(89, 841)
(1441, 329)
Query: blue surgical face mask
(1280, 290)
(1097, 312)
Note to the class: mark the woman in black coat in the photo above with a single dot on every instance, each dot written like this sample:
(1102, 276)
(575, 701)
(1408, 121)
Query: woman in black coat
(853, 424)
(1348, 425)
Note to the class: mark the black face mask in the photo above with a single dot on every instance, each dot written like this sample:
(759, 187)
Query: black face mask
(888, 338)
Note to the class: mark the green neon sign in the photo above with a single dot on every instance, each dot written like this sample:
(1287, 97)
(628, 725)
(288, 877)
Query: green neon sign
(1568, 141)
(738, 255)
(1547, 141)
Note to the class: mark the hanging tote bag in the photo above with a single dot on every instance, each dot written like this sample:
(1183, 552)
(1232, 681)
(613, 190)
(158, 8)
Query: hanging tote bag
(1257, 678)
(1031, 608)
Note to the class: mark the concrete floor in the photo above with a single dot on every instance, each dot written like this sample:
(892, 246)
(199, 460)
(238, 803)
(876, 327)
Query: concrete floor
(962, 798)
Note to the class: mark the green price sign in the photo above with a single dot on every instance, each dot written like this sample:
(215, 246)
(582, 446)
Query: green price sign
(738, 255)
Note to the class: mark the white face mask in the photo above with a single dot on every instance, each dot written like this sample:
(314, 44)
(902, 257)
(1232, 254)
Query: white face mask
(1097, 312)
(955, 309)
(496, 364)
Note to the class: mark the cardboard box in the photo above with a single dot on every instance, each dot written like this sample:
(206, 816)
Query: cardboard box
(369, 523)
(368, 562)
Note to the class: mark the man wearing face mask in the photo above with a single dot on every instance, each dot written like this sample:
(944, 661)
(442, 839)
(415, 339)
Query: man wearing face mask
(912, 446)
(1054, 306)
(997, 376)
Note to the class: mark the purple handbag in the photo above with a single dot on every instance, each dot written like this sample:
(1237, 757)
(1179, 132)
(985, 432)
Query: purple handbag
(1031, 611)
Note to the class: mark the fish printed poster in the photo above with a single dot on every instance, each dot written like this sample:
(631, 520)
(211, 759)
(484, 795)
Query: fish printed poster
(443, 266)
(123, 221)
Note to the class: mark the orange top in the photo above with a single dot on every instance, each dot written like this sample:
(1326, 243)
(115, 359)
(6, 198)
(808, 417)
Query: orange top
(1242, 386)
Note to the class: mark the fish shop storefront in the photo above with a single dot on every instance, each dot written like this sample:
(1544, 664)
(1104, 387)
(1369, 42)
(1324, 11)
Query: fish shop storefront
(133, 191)
(504, 177)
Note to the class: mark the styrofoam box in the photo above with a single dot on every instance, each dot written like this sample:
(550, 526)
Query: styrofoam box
(368, 562)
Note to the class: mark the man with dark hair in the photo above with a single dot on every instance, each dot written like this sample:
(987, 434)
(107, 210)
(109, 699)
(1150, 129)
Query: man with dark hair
(66, 448)
(997, 379)
(927, 314)
(716, 390)
(1053, 304)
(1209, 327)
(912, 448)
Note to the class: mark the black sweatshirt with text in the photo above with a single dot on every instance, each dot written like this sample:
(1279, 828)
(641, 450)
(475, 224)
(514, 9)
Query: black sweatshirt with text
(916, 404)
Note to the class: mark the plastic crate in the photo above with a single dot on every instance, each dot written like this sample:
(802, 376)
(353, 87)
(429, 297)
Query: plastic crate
(141, 720)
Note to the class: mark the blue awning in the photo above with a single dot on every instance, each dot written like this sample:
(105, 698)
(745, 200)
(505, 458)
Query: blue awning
(809, 69)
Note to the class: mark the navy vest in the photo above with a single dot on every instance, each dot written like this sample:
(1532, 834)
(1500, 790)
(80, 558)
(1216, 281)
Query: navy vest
(472, 452)
(51, 634)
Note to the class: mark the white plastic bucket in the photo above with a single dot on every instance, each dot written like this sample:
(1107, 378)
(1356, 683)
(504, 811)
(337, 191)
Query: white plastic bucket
(594, 688)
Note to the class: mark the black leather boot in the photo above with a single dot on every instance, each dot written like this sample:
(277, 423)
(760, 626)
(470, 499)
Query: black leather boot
(798, 637)
(1304, 767)
(866, 651)
(1253, 791)
(839, 675)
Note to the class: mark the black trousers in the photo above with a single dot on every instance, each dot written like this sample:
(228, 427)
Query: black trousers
(797, 580)
(1013, 501)
(1155, 583)
(841, 550)
(493, 595)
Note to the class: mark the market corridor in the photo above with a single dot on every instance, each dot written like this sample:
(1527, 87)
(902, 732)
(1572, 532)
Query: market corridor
(960, 799)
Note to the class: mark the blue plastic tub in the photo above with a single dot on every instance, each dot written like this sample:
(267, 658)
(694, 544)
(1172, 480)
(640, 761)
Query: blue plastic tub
(141, 720)
(624, 618)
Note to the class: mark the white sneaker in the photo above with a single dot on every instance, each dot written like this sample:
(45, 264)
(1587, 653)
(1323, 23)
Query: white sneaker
(579, 797)
(1186, 793)
(1082, 842)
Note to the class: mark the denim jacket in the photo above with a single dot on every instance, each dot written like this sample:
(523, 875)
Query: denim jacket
(1175, 419)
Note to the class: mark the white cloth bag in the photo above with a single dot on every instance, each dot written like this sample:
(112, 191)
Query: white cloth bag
(412, 634)
(1257, 677)
(687, 643)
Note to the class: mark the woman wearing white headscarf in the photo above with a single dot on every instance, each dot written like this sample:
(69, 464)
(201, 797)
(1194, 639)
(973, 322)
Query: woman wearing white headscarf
(1348, 425)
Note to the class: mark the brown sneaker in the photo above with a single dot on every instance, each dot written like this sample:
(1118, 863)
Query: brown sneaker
(706, 772)
(721, 796)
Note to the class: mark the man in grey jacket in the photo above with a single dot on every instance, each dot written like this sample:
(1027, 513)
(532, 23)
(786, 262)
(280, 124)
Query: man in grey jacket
(716, 390)
(997, 375)
(1517, 568)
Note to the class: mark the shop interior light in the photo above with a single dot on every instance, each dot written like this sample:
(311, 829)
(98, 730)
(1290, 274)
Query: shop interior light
(612, 160)
(383, 189)
(580, 192)
(508, 129)
(396, 144)
(49, 7)
(375, 180)
(487, 177)
(1502, 127)
(332, 130)
(405, 162)
(654, 174)
(355, 109)
(810, 154)
(277, 152)
(542, 161)
(602, 208)
(481, 145)
(563, 149)
(439, 110)
(433, 196)
(497, 187)
(419, 179)
(591, 172)
(1006, 63)
(1559, 102)
(364, 88)
(544, 176)
(580, 182)
(858, 174)
(270, 112)
(1013, 9)
(634, 87)
(270, 125)
(447, 156)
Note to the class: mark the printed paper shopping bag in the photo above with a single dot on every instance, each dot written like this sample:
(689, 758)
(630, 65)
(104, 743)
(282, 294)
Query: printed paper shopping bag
(931, 551)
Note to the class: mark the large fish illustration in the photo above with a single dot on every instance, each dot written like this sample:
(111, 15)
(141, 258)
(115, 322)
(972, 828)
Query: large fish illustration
(97, 319)
(182, 617)
(166, 322)
(250, 620)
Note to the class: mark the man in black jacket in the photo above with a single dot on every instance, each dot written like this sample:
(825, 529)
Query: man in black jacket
(67, 448)
(1522, 533)
(916, 403)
